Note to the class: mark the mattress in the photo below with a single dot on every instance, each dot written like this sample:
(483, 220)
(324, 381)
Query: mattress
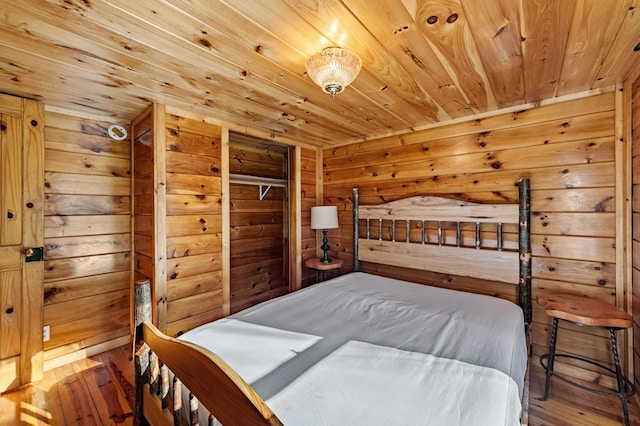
(362, 349)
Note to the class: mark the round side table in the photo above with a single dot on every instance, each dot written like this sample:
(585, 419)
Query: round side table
(321, 268)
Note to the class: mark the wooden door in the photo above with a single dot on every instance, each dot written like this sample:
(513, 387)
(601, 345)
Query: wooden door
(21, 237)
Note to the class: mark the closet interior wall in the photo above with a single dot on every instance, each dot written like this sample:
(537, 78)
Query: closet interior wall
(259, 215)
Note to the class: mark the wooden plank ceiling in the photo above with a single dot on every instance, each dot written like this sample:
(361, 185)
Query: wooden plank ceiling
(242, 61)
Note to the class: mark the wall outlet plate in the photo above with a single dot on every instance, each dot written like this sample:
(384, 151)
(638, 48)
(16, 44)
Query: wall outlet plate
(46, 333)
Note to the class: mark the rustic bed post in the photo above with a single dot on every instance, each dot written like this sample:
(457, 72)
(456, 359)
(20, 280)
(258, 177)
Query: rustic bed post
(142, 312)
(356, 202)
(524, 291)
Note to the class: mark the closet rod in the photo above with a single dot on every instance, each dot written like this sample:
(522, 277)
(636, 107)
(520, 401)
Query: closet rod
(257, 180)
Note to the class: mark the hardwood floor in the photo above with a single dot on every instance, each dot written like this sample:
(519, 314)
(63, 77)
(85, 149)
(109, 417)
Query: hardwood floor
(93, 391)
(570, 406)
(99, 391)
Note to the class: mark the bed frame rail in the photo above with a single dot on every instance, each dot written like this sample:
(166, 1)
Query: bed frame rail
(210, 380)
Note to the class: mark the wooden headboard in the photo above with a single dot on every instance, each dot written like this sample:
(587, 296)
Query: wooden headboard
(432, 234)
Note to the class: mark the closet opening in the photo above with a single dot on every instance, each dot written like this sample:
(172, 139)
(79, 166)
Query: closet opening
(259, 173)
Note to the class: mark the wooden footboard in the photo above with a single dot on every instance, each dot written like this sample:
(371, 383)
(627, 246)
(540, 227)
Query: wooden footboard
(210, 380)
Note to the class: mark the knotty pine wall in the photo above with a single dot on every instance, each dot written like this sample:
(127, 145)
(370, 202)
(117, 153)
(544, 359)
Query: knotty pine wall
(144, 222)
(635, 205)
(178, 226)
(87, 238)
(310, 170)
(258, 237)
(258, 247)
(565, 149)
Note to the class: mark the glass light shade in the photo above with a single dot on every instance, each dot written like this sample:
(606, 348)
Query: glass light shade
(333, 69)
(324, 217)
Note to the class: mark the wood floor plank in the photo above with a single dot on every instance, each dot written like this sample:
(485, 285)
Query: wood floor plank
(75, 397)
(570, 406)
(111, 404)
(37, 404)
(43, 401)
(120, 364)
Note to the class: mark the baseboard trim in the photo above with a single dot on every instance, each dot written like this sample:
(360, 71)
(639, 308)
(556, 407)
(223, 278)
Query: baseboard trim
(86, 352)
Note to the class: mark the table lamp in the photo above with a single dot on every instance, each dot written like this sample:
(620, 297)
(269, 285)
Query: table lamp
(324, 217)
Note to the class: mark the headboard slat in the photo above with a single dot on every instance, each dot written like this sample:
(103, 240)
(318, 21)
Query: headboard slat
(441, 209)
(484, 264)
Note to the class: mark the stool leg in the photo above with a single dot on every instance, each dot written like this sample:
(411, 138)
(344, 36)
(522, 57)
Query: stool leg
(551, 358)
(622, 387)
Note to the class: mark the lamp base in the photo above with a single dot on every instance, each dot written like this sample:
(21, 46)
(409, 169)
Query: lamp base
(325, 248)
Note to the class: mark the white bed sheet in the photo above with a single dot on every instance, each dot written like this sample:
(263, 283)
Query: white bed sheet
(362, 349)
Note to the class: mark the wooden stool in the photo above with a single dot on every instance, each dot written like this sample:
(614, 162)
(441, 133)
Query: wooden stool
(592, 313)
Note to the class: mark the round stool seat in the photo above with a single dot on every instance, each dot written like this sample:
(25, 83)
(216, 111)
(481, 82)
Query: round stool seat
(585, 311)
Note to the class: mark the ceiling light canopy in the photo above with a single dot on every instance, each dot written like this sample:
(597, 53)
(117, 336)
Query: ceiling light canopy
(333, 69)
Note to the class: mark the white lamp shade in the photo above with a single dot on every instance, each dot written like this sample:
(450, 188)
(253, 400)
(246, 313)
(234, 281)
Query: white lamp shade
(324, 217)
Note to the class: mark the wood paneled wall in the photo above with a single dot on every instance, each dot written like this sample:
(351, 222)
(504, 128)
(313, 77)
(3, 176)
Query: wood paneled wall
(87, 238)
(258, 248)
(310, 169)
(144, 223)
(193, 223)
(178, 206)
(259, 228)
(635, 134)
(565, 149)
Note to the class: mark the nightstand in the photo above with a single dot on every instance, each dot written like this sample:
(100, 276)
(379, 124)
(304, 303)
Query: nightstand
(322, 268)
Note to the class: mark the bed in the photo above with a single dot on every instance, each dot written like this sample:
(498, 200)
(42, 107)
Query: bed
(363, 348)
